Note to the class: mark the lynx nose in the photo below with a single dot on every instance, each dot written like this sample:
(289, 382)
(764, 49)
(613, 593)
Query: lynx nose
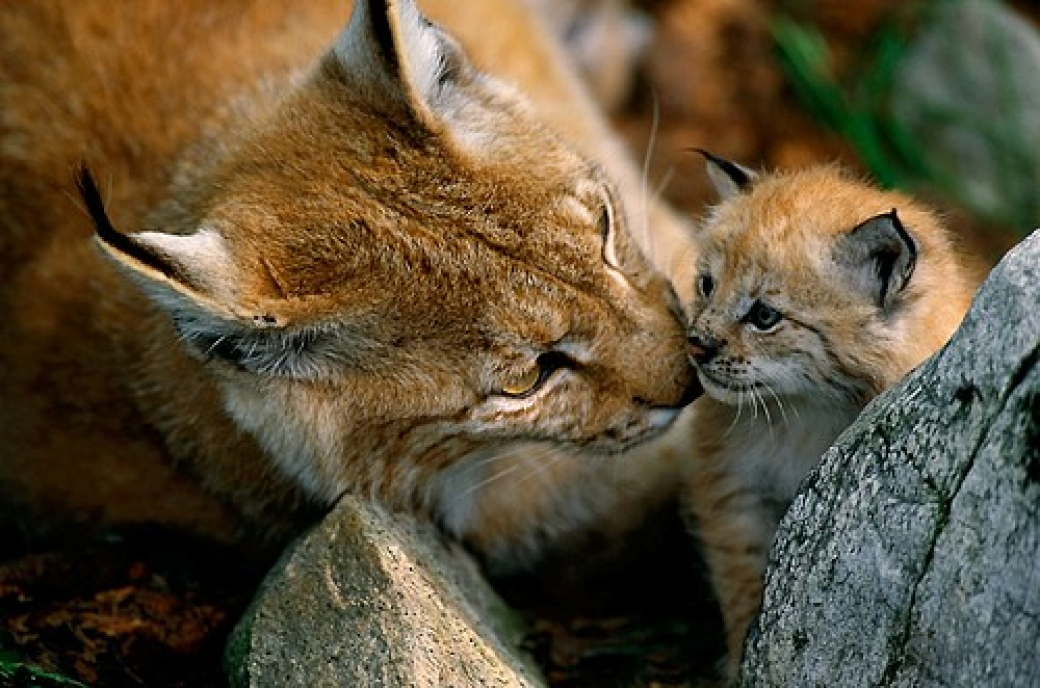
(701, 349)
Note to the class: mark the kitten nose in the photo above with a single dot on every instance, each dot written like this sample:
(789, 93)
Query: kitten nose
(701, 349)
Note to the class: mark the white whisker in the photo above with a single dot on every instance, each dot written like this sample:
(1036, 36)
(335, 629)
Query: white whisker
(662, 186)
(765, 407)
(541, 467)
(645, 182)
(754, 402)
(736, 418)
(216, 342)
(493, 478)
(531, 459)
(779, 403)
(480, 461)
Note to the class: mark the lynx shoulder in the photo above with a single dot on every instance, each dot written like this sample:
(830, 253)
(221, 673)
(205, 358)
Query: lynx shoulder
(319, 264)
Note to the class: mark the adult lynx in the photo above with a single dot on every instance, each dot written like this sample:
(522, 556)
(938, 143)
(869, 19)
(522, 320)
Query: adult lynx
(321, 264)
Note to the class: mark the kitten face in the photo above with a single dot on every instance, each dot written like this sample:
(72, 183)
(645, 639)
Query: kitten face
(805, 284)
(399, 268)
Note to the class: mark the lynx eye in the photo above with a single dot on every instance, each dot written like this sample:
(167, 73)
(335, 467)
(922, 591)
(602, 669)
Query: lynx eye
(532, 379)
(608, 234)
(523, 384)
(762, 317)
(706, 285)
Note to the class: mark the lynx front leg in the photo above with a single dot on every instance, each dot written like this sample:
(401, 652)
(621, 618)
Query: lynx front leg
(735, 531)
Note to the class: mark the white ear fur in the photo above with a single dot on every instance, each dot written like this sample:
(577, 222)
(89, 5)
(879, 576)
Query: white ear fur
(392, 47)
(195, 267)
(191, 277)
(203, 256)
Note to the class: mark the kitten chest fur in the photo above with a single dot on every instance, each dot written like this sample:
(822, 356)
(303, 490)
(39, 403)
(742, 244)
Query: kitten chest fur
(770, 449)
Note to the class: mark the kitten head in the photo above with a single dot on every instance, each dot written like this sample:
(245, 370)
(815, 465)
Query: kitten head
(816, 286)
(397, 265)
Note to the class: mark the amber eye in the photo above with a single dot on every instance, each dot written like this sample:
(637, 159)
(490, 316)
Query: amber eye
(533, 378)
(762, 317)
(522, 384)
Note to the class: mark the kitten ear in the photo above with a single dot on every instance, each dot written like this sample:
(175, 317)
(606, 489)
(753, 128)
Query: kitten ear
(728, 177)
(880, 256)
(391, 48)
(191, 277)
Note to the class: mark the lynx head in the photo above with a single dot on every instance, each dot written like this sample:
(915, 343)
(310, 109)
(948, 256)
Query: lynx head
(397, 266)
(813, 285)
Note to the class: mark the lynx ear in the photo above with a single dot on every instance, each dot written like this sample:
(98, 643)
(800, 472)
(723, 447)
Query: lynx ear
(390, 48)
(729, 178)
(193, 267)
(192, 278)
(880, 256)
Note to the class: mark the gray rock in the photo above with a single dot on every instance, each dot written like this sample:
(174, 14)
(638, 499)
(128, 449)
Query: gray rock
(968, 92)
(911, 557)
(373, 599)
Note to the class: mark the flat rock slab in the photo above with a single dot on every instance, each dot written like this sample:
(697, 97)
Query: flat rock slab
(373, 599)
(912, 555)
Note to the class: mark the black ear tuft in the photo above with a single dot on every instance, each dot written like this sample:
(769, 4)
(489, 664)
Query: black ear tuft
(88, 191)
(882, 256)
(735, 172)
(107, 233)
(728, 177)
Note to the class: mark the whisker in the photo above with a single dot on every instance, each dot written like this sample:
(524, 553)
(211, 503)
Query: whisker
(493, 478)
(736, 418)
(483, 459)
(216, 343)
(533, 461)
(779, 403)
(765, 407)
(754, 402)
(541, 467)
(662, 186)
(655, 122)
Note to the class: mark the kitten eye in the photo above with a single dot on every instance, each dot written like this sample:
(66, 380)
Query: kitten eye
(706, 285)
(532, 379)
(762, 317)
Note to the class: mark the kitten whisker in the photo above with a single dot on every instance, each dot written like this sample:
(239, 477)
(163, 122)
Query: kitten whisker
(759, 399)
(736, 417)
(754, 402)
(765, 408)
(779, 404)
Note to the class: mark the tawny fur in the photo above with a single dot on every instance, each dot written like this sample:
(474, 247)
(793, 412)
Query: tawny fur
(777, 398)
(339, 251)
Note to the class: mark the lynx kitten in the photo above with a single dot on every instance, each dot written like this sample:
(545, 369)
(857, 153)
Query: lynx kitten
(815, 292)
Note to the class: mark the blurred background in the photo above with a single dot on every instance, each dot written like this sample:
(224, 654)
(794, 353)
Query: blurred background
(937, 97)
